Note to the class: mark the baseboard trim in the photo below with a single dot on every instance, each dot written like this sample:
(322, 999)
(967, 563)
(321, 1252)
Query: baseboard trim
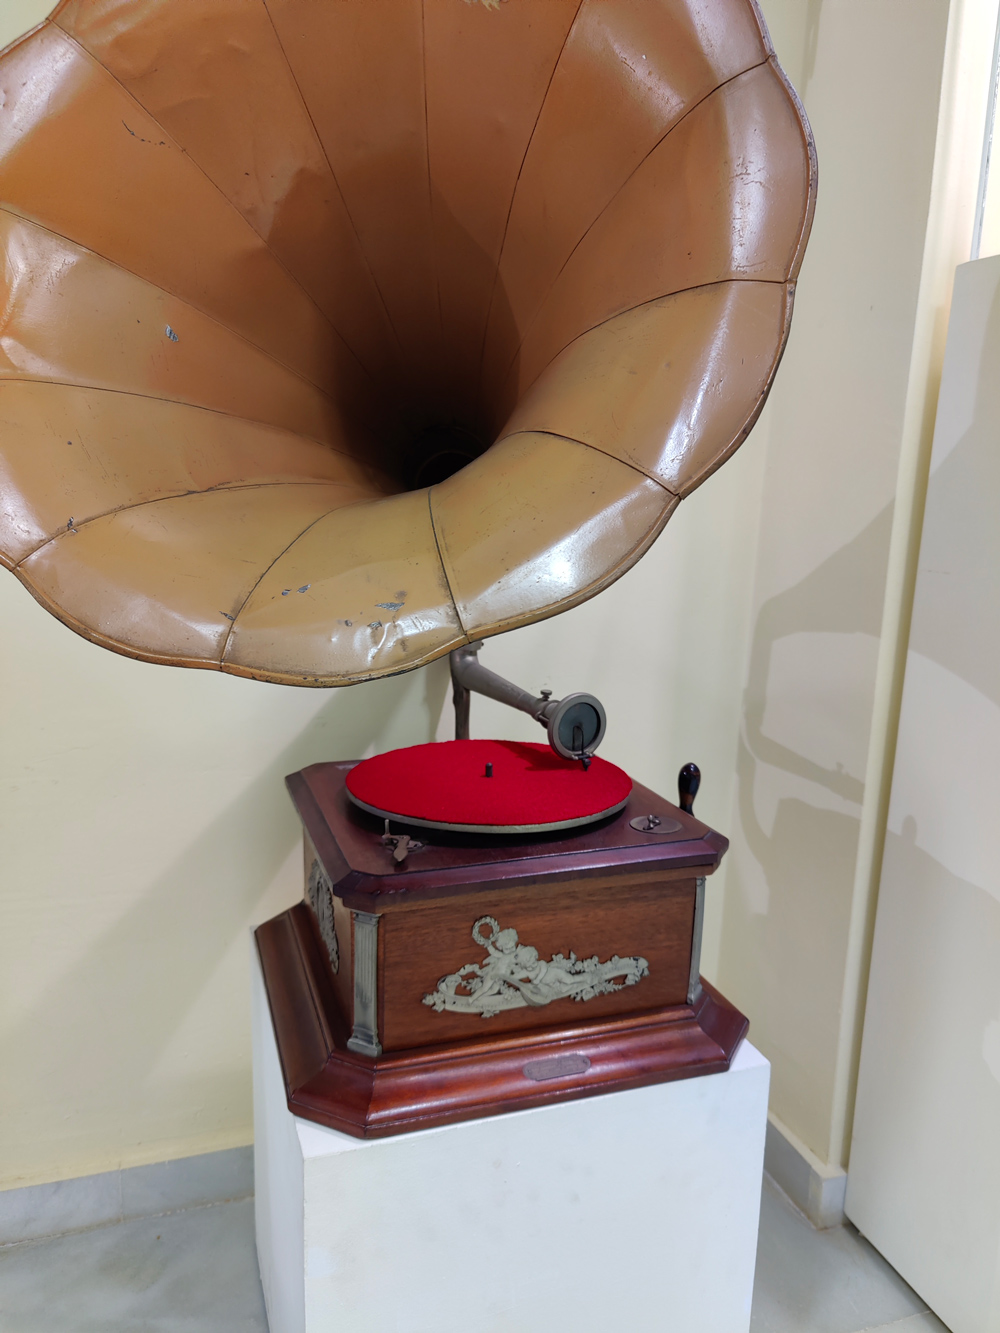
(816, 1189)
(35, 1211)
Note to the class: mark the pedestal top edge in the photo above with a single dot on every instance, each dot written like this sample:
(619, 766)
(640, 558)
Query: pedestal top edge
(319, 1141)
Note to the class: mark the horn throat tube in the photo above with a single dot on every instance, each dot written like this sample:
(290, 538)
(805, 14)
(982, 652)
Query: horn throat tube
(575, 724)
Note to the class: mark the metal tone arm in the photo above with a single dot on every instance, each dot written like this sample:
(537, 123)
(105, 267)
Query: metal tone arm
(575, 725)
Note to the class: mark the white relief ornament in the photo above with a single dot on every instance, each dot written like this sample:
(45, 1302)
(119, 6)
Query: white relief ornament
(319, 892)
(512, 976)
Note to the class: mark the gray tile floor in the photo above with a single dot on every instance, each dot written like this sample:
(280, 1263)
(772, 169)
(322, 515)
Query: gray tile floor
(190, 1272)
(811, 1281)
(196, 1272)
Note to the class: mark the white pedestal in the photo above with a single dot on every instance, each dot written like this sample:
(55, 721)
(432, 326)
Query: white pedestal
(633, 1211)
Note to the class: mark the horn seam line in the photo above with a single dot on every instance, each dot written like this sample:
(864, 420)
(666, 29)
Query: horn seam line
(427, 158)
(333, 175)
(175, 402)
(102, 640)
(224, 487)
(688, 111)
(156, 287)
(219, 190)
(663, 296)
(585, 444)
(264, 573)
(753, 415)
(444, 567)
(597, 585)
(140, 654)
(513, 193)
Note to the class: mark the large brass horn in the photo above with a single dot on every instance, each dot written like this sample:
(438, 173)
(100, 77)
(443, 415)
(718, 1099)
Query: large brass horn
(338, 335)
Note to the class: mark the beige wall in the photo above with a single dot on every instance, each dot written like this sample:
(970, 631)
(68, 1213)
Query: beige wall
(143, 824)
(896, 93)
(144, 828)
(832, 456)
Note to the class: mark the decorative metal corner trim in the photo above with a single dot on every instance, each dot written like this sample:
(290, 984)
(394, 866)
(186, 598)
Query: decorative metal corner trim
(364, 1038)
(694, 977)
(512, 976)
(319, 895)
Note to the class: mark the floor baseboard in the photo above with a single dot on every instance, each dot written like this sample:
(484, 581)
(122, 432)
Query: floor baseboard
(35, 1211)
(816, 1189)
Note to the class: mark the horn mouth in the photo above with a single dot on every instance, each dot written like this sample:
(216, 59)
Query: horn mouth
(403, 330)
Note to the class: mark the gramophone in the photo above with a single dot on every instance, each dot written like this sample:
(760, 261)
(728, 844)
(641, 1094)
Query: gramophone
(341, 335)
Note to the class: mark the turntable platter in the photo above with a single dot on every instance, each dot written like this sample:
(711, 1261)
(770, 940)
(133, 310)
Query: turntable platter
(477, 786)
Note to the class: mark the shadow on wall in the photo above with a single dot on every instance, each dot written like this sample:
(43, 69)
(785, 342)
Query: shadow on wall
(955, 621)
(800, 770)
(160, 955)
(814, 13)
(843, 596)
(789, 901)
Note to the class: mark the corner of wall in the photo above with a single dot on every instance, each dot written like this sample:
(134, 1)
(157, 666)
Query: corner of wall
(816, 1189)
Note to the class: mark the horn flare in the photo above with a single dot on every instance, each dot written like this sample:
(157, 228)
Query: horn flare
(336, 336)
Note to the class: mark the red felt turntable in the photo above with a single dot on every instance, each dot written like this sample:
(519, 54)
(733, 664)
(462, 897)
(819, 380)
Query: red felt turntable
(471, 786)
(488, 925)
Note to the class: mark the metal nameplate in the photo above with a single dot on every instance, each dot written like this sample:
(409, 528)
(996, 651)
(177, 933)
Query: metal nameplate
(555, 1066)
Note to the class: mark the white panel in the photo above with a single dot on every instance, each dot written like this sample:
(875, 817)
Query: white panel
(633, 1210)
(279, 1208)
(924, 1180)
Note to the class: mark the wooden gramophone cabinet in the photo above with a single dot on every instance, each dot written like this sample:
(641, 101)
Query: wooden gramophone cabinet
(486, 974)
